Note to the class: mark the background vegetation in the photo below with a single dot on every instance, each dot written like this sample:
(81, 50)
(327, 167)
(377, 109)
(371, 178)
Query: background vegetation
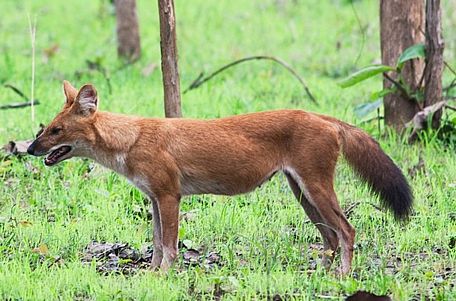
(266, 244)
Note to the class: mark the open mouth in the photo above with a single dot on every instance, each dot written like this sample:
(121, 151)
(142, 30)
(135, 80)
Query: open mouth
(57, 155)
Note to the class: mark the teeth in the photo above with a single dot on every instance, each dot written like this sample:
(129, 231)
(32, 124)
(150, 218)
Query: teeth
(54, 156)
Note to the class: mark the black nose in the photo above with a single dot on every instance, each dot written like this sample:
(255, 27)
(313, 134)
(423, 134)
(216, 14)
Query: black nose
(31, 148)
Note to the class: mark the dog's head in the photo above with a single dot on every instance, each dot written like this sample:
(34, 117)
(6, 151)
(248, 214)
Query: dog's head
(71, 131)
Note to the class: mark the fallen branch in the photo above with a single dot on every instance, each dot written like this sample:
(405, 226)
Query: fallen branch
(201, 80)
(419, 121)
(18, 105)
(375, 206)
(348, 211)
(17, 148)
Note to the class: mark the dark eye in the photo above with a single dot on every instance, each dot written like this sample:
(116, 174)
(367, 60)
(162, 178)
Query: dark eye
(56, 130)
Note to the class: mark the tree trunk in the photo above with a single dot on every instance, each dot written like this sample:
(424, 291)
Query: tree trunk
(434, 58)
(401, 26)
(128, 42)
(170, 71)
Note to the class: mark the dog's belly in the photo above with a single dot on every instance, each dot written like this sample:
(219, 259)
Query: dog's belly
(220, 185)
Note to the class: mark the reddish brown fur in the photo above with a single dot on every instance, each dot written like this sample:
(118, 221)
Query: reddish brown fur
(170, 158)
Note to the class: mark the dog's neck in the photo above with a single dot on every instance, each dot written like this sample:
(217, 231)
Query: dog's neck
(114, 136)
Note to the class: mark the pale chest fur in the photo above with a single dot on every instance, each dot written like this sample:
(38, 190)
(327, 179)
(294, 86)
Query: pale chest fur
(116, 162)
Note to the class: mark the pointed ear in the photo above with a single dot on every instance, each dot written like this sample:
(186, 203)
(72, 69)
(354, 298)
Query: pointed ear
(87, 100)
(70, 93)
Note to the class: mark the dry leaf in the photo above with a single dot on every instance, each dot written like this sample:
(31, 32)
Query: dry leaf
(50, 52)
(191, 257)
(328, 252)
(42, 249)
(25, 223)
(213, 258)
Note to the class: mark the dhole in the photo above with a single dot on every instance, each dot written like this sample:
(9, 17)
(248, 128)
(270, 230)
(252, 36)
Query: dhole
(170, 158)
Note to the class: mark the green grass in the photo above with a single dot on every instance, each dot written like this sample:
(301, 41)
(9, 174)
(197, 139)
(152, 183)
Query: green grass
(264, 238)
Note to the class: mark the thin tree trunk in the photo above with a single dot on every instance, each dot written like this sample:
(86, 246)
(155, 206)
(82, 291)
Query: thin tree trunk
(169, 66)
(401, 26)
(434, 58)
(128, 41)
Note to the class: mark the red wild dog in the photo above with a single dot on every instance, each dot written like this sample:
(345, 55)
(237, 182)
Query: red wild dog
(170, 158)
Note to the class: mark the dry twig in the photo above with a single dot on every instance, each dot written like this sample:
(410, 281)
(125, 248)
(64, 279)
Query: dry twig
(201, 79)
(17, 105)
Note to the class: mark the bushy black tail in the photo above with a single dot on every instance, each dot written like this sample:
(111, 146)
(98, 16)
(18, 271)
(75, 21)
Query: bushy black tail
(375, 167)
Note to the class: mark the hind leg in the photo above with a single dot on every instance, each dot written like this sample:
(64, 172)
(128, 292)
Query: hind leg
(330, 239)
(324, 200)
(319, 191)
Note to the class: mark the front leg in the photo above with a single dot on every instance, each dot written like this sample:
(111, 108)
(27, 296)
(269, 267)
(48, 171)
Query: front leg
(158, 247)
(169, 218)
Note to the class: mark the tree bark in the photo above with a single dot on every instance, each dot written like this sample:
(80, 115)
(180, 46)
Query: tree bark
(401, 26)
(434, 58)
(170, 71)
(128, 41)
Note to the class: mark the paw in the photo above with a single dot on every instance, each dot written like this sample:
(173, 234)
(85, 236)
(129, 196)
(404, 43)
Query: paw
(157, 259)
(342, 271)
(169, 256)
